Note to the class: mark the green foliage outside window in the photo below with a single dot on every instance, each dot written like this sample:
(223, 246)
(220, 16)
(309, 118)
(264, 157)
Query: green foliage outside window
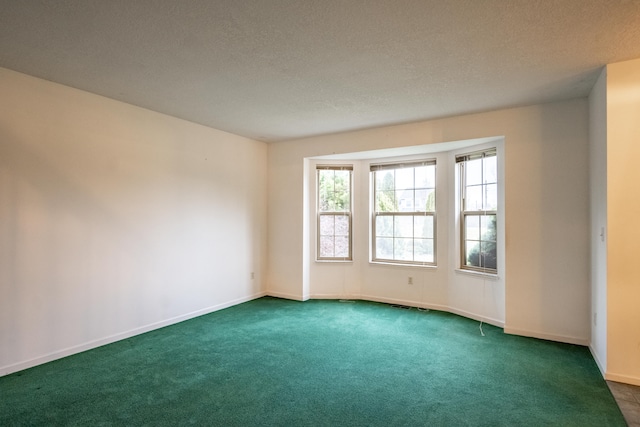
(483, 253)
(334, 191)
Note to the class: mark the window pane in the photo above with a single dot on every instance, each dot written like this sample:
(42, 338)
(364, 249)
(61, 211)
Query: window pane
(423, 226)
(426, 176)
(472, 251)
(425, 201)
(342, 180)
(472, 227)
(473, 200)
(404, 178)
(491, 197)
(342, 202)
(342, 225)
(325, 202)
(488, 255)
(488, 227)
(384, 226)
(403, 226)
(333, 193)
(326, 246)
(473, 172)
(342, 246)
(405, 200)
(342, 193)
(403, 249)
(420, 197)
(325, 190)
(431, 201)
(423, 250)
(326, 225)
(385, 180)
(490, 169)
(384, 248)
(483, 254)
(385, 201)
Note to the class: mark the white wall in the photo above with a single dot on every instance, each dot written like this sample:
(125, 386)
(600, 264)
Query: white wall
(547, 288)
(115, 220)
(598, 234)
(623, 211)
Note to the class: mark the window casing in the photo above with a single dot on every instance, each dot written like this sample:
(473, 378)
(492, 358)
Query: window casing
(478, 178)
(334, 189)
(404, 212)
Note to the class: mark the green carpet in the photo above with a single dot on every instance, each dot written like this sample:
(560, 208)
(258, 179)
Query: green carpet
(288, 363)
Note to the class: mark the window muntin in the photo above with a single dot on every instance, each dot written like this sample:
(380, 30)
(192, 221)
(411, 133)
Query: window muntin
(478, 174)
(404, 213)
(334, 185)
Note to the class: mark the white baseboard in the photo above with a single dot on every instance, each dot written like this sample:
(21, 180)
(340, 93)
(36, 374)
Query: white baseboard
(548, 337)
(287, 296)
(438, 307)
(403, 302)
(601, 366)
(59, 354)
(478, 317)
(335, 296)
(622, 378)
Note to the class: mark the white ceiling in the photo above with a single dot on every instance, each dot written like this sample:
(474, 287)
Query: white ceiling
(282, 69)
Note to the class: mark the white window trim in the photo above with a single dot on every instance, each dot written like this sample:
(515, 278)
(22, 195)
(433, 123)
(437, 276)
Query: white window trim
(349, 214)
(382, 164)
(491, 274)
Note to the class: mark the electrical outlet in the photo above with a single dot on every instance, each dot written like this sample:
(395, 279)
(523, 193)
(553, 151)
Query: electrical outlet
(595, 319)
(253, 276)
(410, 281)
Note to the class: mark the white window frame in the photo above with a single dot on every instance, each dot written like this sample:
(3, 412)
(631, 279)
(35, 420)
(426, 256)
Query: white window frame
(461, 160)
(375, 167)
(334, 213)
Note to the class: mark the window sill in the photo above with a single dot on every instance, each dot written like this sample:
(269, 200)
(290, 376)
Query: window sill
(486, 276)
(395, 264)
(333, 261)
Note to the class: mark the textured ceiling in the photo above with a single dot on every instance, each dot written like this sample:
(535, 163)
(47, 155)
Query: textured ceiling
(282, 69)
